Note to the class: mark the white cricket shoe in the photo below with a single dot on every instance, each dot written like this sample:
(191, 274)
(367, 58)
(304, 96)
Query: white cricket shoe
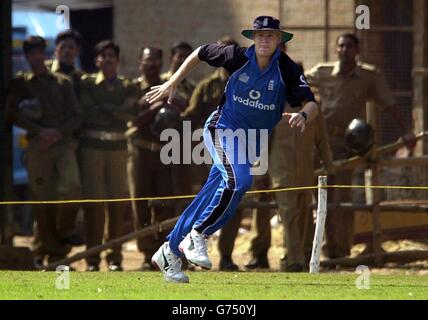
(170, 265)
(194, 247)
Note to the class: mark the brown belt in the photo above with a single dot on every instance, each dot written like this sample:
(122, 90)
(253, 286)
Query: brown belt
(149, 145)
(105, 135)
(335, 130)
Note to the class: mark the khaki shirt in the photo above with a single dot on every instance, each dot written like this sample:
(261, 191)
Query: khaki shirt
(75, 76)
(344, 97)
(43, 101)
(292, 153)
(142, 132)
(205, 98)
(107, 106)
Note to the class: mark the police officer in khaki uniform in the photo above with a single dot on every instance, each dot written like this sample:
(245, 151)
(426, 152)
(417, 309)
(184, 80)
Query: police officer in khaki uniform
(295, 168)
(181, 173)
(45, 105)
(108, 102)
(261, 242)
(147, 175)
(67, 50)
(291, 168)
(344, 87)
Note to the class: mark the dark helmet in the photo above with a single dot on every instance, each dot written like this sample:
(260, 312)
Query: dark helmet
(359, 137)
(166, 118)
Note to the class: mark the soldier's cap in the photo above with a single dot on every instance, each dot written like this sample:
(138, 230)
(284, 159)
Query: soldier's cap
(266, 23)
(33, 42)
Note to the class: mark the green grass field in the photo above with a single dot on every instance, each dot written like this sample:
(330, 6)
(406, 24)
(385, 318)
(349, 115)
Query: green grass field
(210, 285)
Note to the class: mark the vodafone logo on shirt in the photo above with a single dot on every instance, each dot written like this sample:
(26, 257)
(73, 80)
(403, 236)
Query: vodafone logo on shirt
(255, 95)
(253, 101)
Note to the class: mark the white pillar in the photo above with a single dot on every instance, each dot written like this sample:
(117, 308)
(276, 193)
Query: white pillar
(320, 223)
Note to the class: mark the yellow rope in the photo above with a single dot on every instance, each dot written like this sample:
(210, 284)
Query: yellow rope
(193, 195)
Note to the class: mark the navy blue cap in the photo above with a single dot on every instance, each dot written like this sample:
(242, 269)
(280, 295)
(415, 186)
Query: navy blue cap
(266, 23)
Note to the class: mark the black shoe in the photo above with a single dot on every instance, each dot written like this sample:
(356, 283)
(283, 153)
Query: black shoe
(226, 264)
(115, 267)
(74, 240)
(258, 262)
(294, 267)
(284, 266)
(38, 263)
(93, 268)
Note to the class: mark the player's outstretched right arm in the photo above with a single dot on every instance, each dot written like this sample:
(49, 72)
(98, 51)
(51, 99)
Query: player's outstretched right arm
(169, 88)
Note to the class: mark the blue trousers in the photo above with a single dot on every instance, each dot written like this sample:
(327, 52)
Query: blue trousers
(218, 199)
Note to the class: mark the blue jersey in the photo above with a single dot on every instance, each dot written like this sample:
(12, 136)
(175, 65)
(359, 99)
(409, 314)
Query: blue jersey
(255, 99)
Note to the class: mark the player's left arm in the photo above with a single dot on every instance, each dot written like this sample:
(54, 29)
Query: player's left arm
(298, 94)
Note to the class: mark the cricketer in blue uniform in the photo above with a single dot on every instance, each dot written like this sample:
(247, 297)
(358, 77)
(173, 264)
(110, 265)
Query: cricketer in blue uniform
(262, 80)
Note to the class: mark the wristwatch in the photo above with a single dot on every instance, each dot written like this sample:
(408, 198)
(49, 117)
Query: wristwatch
(304, 115)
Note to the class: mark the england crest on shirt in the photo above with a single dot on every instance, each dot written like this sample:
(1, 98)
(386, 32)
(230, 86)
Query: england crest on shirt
(244, 77)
